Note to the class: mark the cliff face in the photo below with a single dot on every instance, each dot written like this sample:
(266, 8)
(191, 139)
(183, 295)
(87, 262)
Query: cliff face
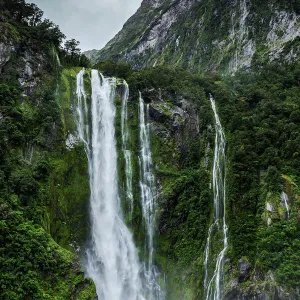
(44, 187)
(43, 210)
(225, 36)
(260, 118)
(258, 265)
(259, 42)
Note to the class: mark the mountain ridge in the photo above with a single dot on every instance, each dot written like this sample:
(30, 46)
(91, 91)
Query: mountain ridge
(203, 36)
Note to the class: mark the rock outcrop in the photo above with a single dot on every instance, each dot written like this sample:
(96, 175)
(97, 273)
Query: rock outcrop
(225, 36)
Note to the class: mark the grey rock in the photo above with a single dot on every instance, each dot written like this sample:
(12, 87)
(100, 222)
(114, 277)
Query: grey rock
(157, 114)
(161, 131)
(244, 270)
(6, 50)
(176, 123)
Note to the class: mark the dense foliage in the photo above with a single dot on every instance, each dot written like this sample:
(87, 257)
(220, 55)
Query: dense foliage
(25, 22)
(32, 264)
(44, 188)
(260, 113)
(42, 209)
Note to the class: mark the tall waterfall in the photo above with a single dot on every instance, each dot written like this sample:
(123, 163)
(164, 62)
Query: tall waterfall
(125, 148)
(148, 201)
(213, 285)
(112, 260)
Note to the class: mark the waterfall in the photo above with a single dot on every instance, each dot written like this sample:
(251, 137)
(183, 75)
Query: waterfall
(125, 148)
(284, 200)
(213, 287)
(148, 202)
(112, 260)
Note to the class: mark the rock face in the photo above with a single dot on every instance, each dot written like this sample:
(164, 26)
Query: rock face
(261, 287)
(30, 87)
(90, 54)
(5, 53)
(26, 61)
(244, 269)
(207, 35)
(179, 121)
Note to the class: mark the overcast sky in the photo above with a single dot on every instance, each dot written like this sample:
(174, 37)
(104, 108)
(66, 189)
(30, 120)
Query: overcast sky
(92, 22)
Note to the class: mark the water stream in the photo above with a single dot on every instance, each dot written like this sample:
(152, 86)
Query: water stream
(213, 285)
(126, 149)
(148, 202)
(285, 200)
(112, 260)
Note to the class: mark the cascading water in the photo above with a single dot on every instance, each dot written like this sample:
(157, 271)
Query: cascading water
(125, 147)
(112, 260)
(285, 200)
(148, 201)
(213, 285)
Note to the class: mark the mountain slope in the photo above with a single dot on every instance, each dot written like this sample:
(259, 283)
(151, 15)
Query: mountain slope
(225, 35)
(261, 116)
(43, 185)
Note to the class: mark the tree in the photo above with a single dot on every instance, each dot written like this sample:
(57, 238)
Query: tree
(71, 46)
(35, 15)
(51, 32)
(22, 12)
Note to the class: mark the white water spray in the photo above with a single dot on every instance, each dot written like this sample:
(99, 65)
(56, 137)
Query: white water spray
(126, 150)
(285, 199)
(111, 258)
(148, 201)
(213, 287)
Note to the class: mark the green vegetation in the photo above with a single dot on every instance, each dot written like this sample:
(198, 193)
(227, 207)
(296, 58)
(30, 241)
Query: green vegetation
(259, 111)
(44, 187)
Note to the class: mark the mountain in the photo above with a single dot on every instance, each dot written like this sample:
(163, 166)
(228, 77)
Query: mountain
(208, 35)
(160, 183)
(90, 54)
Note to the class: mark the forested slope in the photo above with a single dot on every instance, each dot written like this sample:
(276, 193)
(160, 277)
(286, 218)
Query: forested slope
(260, 114)
(42, 210)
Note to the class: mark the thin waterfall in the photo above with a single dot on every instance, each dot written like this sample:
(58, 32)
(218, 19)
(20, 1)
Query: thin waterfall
(125, 148)
(213, 286)
(284, 200)
(112, 260)
(148, 202)
(82, 112)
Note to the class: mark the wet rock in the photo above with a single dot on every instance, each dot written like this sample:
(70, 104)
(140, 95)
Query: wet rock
(259, 275)
(71, 141)
(176, 123)
(160, 131)
(157, 114)
(5, 53)
(244, 270)
(150, 95)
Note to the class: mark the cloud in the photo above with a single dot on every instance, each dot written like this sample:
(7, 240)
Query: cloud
(92, 22)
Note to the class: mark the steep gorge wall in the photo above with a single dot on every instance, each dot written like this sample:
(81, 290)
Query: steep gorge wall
(261, 166)
(223, 36)
(44, 185)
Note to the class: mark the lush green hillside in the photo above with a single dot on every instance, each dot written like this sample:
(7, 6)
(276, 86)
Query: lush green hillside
(43, 210)
(44, 188)
(260, 112)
